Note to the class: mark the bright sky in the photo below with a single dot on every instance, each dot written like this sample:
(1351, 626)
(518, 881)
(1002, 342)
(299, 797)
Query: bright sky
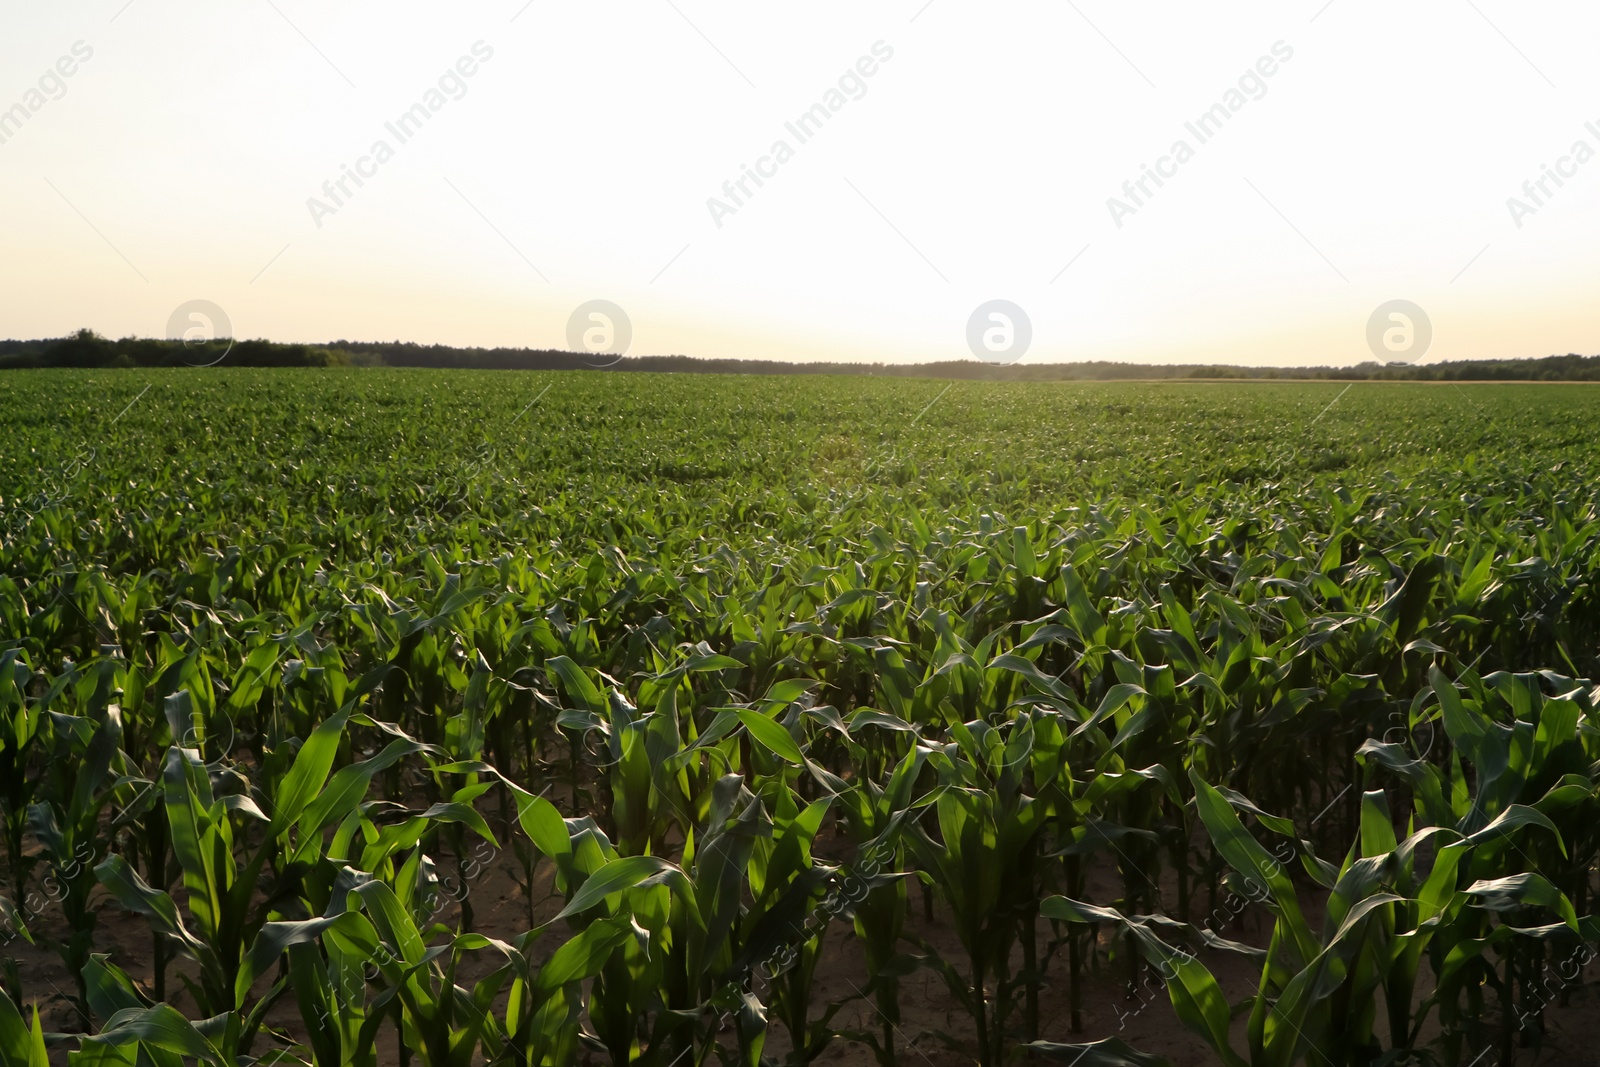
(1361, 152)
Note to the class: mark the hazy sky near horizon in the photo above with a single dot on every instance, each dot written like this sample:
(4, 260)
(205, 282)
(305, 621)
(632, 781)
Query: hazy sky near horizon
(1358, 152)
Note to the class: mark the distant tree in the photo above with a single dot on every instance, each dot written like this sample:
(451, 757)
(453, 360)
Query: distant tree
(83, 349)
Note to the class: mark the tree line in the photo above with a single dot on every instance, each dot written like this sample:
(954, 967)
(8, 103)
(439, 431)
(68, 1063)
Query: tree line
(87, 349)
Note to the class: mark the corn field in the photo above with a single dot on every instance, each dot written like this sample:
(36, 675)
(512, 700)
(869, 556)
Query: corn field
(454, 718)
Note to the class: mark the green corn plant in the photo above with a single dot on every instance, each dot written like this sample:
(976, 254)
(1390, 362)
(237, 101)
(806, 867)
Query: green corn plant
(142, 821)
(161, 1036)
(646, 1001)
(779, 935)
(82, 780)
(226, 848)
(1539, 762)
(698, 939)
(982, 866)
(203, 840)
(637, 933)
(638, 815)
(445, 1023)
(21, 1043)
(1319, 994)
(328, 976)
(19, 730)
(873, 817)
(642, 934)
(138, 1032)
